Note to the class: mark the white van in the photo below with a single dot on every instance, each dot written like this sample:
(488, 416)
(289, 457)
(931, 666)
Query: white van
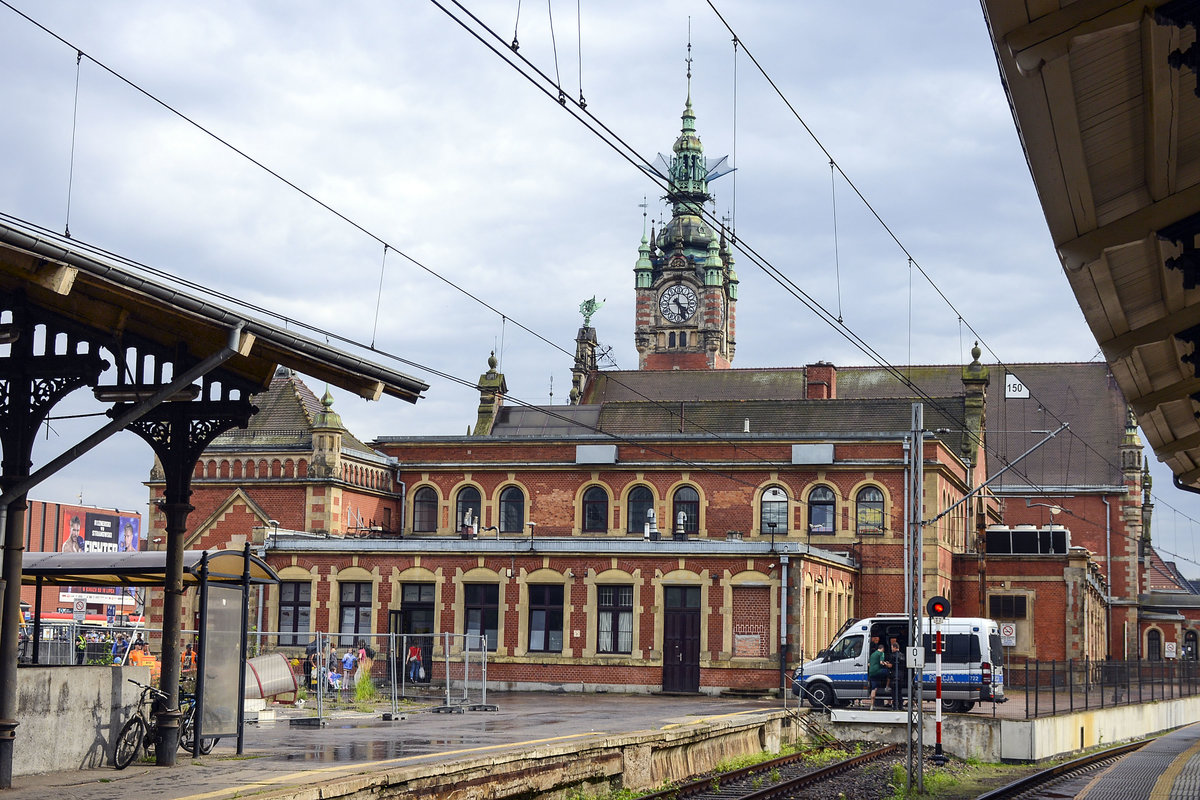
(972, 662)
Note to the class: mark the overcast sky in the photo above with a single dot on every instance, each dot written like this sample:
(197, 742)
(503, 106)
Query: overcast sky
(419, 136)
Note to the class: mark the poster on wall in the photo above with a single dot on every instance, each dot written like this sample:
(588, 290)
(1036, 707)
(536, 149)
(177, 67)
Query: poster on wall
(100, 532)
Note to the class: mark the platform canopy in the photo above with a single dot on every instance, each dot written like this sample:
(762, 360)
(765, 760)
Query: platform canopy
(139, 568)
(1108, 111)
(108, 293)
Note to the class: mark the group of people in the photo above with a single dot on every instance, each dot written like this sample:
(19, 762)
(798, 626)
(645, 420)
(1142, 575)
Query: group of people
(335, 672)
(886, 670)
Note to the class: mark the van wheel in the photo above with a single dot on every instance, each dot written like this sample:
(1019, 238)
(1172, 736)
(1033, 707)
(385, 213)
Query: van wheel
(821, 696)
(957, 706)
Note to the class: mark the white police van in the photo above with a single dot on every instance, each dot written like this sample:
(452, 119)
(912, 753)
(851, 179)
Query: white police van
(972, 662)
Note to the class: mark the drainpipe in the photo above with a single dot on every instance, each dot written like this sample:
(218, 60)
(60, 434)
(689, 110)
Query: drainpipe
(1108, 565)
(783, 618)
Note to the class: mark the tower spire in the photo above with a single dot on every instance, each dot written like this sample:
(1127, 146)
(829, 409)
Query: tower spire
(689, 62)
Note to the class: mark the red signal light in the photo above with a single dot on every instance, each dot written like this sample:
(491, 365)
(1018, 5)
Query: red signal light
(938, 607)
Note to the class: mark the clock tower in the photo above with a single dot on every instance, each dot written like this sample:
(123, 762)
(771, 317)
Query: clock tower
(685, 284)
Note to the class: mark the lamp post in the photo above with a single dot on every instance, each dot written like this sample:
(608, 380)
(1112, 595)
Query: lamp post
(531, 525)
(772, 525)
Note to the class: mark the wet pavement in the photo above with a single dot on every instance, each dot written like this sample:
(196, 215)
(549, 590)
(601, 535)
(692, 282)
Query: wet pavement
(280, 754)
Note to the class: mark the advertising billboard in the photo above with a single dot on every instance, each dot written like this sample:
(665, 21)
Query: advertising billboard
(92, 531)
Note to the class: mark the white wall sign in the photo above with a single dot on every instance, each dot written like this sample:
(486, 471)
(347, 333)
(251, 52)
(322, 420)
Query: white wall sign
(1013, 387)
(1008, 634)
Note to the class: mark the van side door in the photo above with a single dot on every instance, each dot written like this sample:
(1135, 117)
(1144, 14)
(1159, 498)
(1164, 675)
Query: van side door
(846, 666)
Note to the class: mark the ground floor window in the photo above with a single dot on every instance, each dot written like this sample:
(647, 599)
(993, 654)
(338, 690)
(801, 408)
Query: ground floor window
(545, 618)
(614, 609)
(355, 608)
(294, 607)
(481, 604)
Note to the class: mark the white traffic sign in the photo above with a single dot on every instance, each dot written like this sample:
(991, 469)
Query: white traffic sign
(80, 609)
(1008, 634)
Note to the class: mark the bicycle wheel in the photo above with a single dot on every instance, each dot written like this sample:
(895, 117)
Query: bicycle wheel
(206, 745)
(187, 729)
(130, 742)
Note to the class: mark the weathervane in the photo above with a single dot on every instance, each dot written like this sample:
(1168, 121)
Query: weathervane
(588, 308)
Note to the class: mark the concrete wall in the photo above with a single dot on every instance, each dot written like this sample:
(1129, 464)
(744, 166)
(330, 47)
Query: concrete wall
(1038, 739)
(69, 716)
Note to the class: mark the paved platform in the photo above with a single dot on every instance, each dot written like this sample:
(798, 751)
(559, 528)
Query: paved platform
(1166, 769)
(280, 755)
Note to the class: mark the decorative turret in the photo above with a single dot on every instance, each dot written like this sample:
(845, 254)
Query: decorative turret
(327, 430)
(975, 381)
(492, 388)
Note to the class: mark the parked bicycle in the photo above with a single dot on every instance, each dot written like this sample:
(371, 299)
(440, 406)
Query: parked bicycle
(139, 734)
(187, 725)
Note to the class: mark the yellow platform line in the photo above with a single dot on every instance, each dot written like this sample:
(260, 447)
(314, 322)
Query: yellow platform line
(372, 765)
(1162, 786)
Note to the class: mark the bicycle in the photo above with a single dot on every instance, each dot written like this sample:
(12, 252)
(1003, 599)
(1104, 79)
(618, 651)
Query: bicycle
(140, 732)
(187, 725)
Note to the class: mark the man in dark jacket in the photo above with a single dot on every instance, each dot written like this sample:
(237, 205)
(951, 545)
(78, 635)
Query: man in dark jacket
(877, 672)
(899, 673)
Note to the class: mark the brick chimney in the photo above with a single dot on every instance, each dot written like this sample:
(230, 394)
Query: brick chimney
(821, 381)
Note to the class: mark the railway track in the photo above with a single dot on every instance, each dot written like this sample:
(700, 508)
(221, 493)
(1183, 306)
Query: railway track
(1064, 780)
(785, 775)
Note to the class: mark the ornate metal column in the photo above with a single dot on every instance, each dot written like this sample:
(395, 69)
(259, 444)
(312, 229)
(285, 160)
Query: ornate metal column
(178, 433)
(33, 378)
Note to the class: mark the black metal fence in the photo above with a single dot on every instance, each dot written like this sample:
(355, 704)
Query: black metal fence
(1053, 687)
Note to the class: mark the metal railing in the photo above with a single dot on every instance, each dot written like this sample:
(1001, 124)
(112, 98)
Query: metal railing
(1054, 687)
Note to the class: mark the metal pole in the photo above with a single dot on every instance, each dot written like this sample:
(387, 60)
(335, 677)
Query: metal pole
(914, 571)
(939, 757)
(446, 658)
(200, 659)
(244, 646)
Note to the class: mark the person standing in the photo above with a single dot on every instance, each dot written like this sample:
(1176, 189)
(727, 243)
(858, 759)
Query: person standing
(899, 673)
(414, 663)
(80, 648)
(332, 662)
(877, 673)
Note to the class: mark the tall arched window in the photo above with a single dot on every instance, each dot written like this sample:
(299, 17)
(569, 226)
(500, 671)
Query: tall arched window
(1154, 646)
(773, 516)
(685, 506)
(641, 500)
(466, 509)
(595, 510)
(868, 513)
(821, 507)
(512, 510)
(425, 508)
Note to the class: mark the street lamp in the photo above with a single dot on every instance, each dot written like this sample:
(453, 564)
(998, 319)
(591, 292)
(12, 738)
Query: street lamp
(772, 525)
(531, 525)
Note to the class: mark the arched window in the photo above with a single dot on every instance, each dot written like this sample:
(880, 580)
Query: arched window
(868, 513)
(685, 507)
(425, 508)
(595, 510)
(773, 516)
(1154, 646)
(466, 510)
(683, 339)
(640, 502)
(1189, 646)
(821, 508)
(512, 510)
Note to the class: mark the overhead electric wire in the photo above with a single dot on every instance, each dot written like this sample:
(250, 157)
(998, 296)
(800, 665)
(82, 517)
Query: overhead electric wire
(783, 280)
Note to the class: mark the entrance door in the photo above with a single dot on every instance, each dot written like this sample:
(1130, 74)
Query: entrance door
(681, 639)
(415, 619)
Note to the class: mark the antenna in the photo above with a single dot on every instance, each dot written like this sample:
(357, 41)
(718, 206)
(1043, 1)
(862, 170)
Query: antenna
(689, 60)
(551, 390)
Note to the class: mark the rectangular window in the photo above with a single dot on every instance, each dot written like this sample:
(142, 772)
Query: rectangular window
(545, 618)
(295, 601)
(614, 608)
(481, 603)
(1007, 606)
(355, 609)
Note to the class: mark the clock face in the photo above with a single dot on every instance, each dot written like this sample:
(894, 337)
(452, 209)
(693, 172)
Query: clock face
(677, 303)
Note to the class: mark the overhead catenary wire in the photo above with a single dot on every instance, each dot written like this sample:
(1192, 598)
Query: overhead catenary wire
(349, 221)
(71, 162)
